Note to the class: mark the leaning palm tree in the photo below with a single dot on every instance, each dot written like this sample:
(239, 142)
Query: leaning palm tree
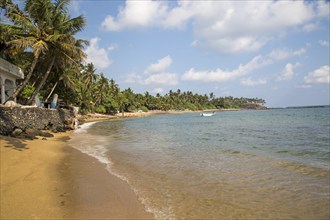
(46, 28)
(22, 33)
(64, 48)
(66, 77)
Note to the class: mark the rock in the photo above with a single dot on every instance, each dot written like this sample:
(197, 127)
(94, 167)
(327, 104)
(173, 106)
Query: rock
(32, 132)
(12, 104)
(45, 134)
(27, 136)
(35, 132)
(16, 132)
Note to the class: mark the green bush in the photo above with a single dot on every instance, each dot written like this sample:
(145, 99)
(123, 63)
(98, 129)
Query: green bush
(144, 109)
(190, 106)
(100, 109)
(27, 92)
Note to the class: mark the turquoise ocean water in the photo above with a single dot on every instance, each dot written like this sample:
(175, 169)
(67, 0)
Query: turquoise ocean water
(235, 165)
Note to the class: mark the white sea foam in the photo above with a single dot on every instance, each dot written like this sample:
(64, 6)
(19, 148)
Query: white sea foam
(84, 127)
(94, 146)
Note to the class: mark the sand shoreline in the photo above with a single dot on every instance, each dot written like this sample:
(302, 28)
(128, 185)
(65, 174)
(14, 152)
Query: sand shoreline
(48, 179)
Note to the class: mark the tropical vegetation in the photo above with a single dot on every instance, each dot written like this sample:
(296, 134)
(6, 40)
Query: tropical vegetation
(40, 39)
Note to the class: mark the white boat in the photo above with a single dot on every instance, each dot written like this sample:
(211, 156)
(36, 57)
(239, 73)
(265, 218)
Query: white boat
(207, 114)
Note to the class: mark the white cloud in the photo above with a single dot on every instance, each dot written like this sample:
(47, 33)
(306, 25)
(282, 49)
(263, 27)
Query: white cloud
(158, 90)
(161, 78)
(155, 73)
(324, 43)
(136, 14)
(98, 56)
(159, 66)
(220, 75)
(318, 76)
(257, 62)
(227, 26)
(311, 27)
(299, 52)
(323, 9)
(253, 82)
(158, 78)
(288, 72)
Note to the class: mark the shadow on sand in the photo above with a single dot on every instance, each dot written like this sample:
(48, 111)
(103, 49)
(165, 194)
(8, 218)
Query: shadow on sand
(14, 143)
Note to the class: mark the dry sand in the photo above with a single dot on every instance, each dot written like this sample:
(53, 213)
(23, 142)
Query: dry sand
(47, 179)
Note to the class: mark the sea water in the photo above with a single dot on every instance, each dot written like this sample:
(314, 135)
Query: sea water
(271, 164)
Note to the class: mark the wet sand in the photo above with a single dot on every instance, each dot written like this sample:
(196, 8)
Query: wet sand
(47, 179)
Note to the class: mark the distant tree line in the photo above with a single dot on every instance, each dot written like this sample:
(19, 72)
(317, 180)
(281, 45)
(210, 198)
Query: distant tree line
(40, 39)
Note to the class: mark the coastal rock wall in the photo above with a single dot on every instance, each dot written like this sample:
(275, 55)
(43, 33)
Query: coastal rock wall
(16, 119)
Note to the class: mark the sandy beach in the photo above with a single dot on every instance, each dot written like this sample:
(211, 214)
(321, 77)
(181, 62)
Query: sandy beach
(47, 179)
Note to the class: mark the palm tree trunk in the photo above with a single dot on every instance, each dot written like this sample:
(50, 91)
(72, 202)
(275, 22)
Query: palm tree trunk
(36, 91)
(27, 78)
(51, 92)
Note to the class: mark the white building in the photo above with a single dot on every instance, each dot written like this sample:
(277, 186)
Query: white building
(8, 75)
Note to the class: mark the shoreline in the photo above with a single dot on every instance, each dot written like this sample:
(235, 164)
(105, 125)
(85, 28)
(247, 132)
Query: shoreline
(49, 179)
(94, 193)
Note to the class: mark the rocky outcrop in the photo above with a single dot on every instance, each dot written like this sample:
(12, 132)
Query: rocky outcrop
(28, 122)
(253, 106)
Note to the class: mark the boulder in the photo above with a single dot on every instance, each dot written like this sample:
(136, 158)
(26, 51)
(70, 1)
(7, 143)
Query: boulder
(16, 132)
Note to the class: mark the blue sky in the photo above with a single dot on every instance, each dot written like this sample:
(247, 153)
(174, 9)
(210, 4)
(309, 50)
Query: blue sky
(275, 50)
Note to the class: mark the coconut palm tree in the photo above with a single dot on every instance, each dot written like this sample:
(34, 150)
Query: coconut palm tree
(64, 48)
(67, 77)
(89, 75)
(102, 91)
(22, 33)
(45, 28)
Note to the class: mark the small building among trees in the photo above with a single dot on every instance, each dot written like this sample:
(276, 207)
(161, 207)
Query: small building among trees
(9, 73)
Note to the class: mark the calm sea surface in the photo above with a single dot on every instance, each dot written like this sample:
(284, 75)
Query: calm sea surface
(234, 165)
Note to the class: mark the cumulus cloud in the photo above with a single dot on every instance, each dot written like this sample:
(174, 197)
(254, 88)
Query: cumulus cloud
(136, 14)
(98, 56)
(220, 75)
(159, 66)
(158, 78)
(227, 26)
(288, 72)
(155, 73)
(323, 8)
(161, 78)
(319, 76)
(158, 90)
(252, 82)
(257, 62)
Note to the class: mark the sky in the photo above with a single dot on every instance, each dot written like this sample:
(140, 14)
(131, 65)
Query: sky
(274, 50)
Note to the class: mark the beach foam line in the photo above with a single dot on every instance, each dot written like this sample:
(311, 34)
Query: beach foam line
(94, 146)
(84, 127)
